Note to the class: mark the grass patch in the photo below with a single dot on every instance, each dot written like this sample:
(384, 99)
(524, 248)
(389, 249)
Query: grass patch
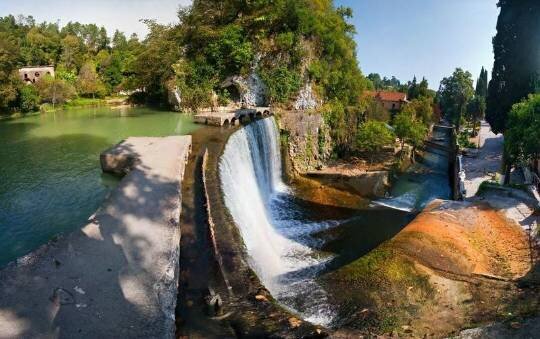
(385, 283)
(84, 102)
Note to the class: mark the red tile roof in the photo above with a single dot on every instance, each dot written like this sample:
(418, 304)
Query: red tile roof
(387, 95)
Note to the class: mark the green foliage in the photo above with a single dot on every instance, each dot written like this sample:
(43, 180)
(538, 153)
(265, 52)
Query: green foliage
(83, 102)
(23, 42)
(373, 136)
(343, 125)
(410, 129)
(195, 89)
(455, 94)
(152, 68)
(88, 84)
(281, 83)
(8, 63)
(69, 76)
(380, 84)
(482, 84)
(522, 138)
(517, 59)
(54, 90)
(28, 99)
(230, 53)
(376, 111)
(418, 90)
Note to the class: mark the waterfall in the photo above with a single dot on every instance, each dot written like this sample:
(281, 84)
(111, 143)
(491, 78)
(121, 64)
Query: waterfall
(278, 243)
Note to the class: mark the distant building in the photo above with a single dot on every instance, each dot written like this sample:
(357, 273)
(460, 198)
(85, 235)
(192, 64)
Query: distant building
(392, 101)
(34, 74)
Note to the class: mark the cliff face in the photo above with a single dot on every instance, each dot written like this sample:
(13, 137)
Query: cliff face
(306, 138)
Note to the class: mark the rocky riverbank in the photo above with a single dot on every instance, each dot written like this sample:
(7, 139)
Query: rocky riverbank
(457, 265)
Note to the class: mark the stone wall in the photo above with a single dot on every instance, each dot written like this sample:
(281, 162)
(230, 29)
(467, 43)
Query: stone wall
(307, 139)
(368, 184)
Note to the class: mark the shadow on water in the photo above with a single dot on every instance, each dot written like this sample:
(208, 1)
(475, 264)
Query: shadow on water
(49, 186)
(350, 233)
(108, 264)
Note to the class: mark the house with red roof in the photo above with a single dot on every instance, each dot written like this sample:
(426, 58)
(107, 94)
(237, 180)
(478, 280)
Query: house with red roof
(392, 101)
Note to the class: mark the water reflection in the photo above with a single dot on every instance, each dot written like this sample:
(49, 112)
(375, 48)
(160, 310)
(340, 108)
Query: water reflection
(50, 178)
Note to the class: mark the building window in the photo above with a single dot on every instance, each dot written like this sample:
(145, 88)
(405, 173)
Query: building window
(37, 74)
(393, 106)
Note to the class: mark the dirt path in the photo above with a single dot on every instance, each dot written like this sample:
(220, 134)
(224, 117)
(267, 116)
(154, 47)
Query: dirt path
(483, 163)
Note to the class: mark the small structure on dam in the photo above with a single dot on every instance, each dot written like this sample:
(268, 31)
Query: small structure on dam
(232, 117)
(117, 277)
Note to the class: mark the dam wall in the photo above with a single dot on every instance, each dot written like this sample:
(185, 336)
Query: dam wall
(118, 276)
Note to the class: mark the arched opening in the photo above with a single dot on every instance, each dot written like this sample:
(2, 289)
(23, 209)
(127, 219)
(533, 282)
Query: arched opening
(37, 74)
(233, 122)
(206, 122)
(259, 115)
(226, 123)
(266, 113)
(233, 93)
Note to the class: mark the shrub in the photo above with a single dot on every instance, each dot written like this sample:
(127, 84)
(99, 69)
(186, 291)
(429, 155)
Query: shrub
(281, 83)
(373, 136)
(29, 99)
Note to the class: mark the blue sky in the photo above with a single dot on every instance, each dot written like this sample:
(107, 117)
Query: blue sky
(395, 37)
(424, 37)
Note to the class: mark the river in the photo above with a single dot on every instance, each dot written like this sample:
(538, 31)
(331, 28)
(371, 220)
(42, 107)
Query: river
(50, 178)
(291, 240)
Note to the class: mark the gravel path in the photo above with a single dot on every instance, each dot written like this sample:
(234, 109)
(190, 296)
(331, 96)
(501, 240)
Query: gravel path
(481, 164)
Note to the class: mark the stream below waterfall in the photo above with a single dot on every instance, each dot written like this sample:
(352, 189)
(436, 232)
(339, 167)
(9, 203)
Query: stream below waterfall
(291, 240)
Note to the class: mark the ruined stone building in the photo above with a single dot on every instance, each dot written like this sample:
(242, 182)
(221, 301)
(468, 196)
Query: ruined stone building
(35, 73)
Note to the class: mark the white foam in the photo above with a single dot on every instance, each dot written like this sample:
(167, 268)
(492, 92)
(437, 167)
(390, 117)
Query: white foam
(250, 173)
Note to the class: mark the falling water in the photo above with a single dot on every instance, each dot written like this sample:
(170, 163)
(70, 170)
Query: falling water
(278, 242)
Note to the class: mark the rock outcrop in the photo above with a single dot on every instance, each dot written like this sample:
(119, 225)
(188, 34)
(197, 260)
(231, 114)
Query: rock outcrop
(251, 88)
(306, 99)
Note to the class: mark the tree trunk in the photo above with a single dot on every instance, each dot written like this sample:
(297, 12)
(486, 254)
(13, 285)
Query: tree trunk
(507, 172)
(507, 168)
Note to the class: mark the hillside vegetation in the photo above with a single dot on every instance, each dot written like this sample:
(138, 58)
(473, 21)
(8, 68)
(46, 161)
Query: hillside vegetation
(286, 43)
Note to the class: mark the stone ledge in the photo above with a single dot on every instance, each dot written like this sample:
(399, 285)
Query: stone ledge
(117, 277)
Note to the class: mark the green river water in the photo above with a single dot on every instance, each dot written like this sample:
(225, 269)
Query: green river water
(50, 177)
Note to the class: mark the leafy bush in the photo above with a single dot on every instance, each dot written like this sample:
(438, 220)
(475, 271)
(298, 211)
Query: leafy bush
(281, 83)
(522, 138)
(29, 99)
(55, 91)
(373, 136)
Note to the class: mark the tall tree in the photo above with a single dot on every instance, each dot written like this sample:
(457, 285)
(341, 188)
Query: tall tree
(412, 93)
(423, 89)
(455, 93)
(517, 59)
(482, 84)
(88, 83)
(8, 61)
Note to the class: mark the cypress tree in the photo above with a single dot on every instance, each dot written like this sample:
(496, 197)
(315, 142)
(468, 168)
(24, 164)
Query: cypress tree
(517, 59)
(482, 84)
